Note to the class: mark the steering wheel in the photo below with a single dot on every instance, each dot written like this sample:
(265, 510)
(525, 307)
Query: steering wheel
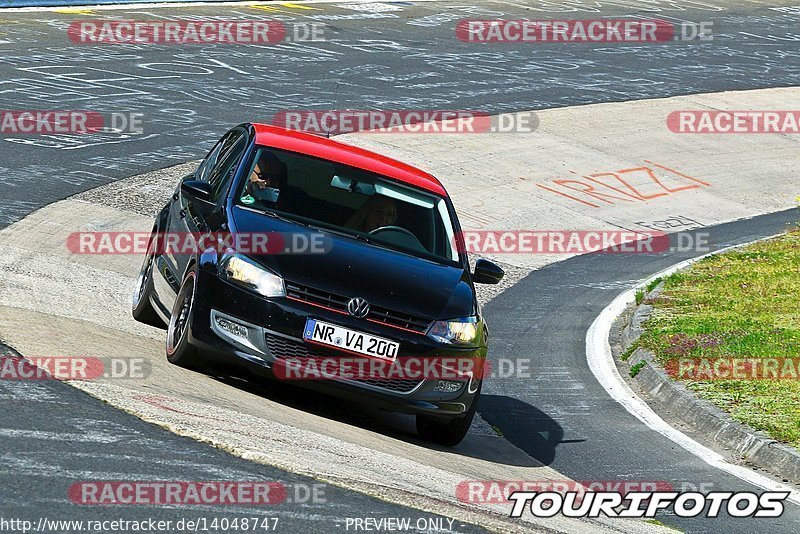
(393, 229)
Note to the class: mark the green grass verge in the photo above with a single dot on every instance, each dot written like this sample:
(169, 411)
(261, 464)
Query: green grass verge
(742, 304)
(660, 524)
(636, 368)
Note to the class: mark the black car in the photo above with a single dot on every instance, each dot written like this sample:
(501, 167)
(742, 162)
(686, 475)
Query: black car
(364, 263)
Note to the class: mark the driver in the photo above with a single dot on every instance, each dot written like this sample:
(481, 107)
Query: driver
(376, 212)
(266, 178)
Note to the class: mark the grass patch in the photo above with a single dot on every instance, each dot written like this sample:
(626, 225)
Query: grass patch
(653, 283)
(659, 523)
(742, 304)
(627, 354)
(636, 368)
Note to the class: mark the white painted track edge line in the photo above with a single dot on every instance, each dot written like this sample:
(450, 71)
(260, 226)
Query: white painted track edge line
(601, 363)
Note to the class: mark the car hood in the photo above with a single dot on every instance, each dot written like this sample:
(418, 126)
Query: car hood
(352, 268)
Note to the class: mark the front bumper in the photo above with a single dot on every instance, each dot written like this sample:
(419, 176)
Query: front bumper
(234, 325)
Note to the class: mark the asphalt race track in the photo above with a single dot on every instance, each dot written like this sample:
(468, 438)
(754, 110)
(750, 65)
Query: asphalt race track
(395, 55)
(54, 434)
(401, 56)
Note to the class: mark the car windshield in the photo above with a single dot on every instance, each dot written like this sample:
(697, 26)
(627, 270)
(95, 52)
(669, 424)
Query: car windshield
(349, 200)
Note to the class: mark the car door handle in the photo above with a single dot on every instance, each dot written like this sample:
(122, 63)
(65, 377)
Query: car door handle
(183, 214)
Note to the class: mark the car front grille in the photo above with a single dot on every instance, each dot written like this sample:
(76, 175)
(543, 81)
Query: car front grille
(285, 348)
(338, 303)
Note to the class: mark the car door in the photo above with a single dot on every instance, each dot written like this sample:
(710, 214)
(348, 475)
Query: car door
(184, 218)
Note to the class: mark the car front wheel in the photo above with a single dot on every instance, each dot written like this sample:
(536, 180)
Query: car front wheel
(179, 350)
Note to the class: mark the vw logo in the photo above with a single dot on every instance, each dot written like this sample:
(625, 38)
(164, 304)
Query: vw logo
(358, 307)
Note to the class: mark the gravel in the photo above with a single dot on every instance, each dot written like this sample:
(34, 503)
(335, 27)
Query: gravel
(144, 194)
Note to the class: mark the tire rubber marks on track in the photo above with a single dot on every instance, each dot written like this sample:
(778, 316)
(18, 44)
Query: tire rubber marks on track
(164, 403)
(84, 437)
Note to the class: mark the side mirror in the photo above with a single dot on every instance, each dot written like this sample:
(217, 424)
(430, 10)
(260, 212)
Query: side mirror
(487, 272)
(197, 192)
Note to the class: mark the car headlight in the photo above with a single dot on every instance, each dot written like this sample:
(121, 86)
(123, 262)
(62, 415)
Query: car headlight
(242, 271)
(462, 331)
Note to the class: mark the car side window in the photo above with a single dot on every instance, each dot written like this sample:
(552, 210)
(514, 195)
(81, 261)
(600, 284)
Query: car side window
(225, 167)
(207, 165)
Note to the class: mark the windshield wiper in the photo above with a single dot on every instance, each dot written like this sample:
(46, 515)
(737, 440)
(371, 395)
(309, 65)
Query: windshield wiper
(274, 215)
(365, 239)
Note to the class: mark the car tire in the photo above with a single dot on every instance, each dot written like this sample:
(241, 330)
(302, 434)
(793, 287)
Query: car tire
(142, 308)
(179, 351)
(447, 432)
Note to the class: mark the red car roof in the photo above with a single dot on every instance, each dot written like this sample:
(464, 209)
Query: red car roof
(321, 147)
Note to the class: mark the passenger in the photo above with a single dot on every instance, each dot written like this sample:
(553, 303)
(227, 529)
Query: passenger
(376, 212)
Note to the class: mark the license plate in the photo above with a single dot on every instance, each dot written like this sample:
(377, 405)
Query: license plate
(350, 340)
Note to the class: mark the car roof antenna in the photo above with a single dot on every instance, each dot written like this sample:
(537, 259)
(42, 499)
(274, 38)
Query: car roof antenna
(335, 103)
